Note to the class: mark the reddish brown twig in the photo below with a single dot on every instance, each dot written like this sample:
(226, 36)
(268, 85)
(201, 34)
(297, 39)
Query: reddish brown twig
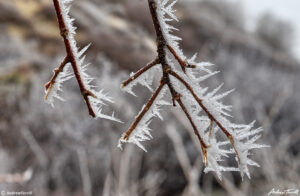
(140, 72)
(143, 112)
(57, 71)
(183, 64)
(70, 58)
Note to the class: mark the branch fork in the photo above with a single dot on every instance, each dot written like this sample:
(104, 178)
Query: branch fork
(74, 58)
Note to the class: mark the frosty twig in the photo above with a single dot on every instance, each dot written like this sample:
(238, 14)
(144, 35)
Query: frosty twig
(94, 100)
(185, 90)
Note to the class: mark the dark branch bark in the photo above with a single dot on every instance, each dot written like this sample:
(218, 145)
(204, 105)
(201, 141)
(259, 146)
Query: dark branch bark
(70, 57)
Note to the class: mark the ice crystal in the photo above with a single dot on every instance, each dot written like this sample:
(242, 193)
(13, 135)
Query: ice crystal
(143, 132)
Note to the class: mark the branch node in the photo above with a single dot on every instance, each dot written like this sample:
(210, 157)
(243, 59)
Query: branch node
(87, 93)
(191, 66)
(64, 32)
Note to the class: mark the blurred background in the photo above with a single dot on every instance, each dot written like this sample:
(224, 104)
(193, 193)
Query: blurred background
(62, 151)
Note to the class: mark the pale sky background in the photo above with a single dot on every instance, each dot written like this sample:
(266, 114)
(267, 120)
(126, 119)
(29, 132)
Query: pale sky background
(288, 10)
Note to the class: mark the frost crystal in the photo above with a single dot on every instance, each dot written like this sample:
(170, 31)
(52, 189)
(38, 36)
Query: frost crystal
(144, 80)
(143, 132)
(65, 75)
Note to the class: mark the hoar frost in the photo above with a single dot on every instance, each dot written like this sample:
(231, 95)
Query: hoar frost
(98, 98)
(209, 115)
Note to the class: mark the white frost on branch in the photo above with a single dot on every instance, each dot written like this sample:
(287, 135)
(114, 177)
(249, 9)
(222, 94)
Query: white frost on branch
(145, 79)
(65, 75)
(142, 132)
(165, 14)
(100, 98)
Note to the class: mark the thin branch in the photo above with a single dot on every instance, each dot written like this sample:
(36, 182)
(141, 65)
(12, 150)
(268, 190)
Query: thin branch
(199, 101)
(140, 72)
(143, 112)
(203, 145)
(56, 71)
(182, 63)
(225, 183)
(70, 57)
(228, 135)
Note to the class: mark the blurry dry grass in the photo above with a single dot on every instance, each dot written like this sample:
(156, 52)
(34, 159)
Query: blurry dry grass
(74, 155)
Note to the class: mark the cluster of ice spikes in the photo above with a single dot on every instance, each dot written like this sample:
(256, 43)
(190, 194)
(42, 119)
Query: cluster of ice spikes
(204, 109)
(75, 59)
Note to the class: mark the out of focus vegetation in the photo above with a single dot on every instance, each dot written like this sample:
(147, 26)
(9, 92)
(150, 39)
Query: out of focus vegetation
(276, 33)
(71, 154)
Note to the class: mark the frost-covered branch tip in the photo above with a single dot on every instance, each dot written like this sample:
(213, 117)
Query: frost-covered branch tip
(75, 59)
(206, 113)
